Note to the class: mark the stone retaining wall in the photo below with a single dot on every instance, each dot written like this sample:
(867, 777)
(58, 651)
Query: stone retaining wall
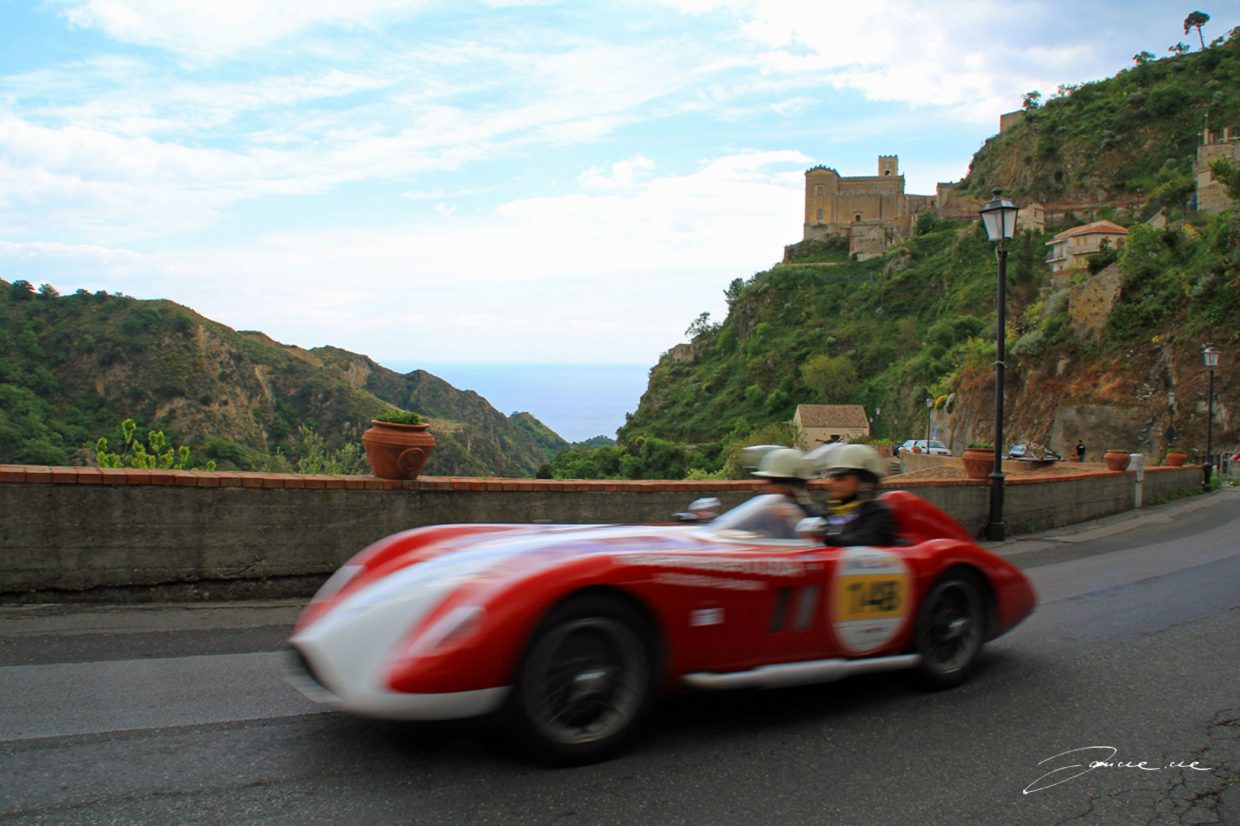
(76, 529)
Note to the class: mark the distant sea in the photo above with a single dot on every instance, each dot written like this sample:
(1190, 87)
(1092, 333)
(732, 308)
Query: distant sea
(577, 401)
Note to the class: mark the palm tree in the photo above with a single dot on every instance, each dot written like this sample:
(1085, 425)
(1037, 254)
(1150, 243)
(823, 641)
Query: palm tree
(1196, 20)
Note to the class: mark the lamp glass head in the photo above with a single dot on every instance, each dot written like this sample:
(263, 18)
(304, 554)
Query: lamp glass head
(999, 217)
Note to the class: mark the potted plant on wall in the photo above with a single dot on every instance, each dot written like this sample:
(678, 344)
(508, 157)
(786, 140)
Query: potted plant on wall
(978, 460)
(1176, 457)
(398, 444)
(1116, 459)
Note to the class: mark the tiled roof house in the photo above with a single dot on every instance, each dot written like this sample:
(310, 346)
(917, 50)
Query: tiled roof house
(823, 423)
(1070, 248)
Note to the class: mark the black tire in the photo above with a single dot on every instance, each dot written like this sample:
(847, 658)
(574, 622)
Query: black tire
(584, 683)
(951, 625)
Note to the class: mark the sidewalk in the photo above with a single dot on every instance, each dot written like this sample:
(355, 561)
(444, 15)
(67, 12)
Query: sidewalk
(1109, 526)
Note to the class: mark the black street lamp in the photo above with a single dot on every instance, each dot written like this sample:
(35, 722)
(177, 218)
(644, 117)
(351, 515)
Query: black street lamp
(999, 219)
(1210, 354)
(929, 407)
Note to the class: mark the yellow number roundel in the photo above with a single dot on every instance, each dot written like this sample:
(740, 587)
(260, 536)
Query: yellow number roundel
(869, 598)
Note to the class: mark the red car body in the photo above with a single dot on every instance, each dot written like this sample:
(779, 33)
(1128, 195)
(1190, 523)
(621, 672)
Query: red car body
(437, 622)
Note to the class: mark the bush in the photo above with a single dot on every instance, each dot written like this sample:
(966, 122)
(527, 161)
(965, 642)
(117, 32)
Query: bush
(399, 417)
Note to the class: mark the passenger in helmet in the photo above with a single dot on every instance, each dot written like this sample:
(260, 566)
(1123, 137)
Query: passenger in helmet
(854, 515)
(786, 472)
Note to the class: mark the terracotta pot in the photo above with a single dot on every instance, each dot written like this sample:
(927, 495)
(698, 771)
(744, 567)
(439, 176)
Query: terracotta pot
(1176, 458)
(1116, 459)
(397, 451)
(978, 462)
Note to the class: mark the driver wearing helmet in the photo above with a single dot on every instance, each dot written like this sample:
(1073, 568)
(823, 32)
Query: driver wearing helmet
(854, 515)
(785, 472)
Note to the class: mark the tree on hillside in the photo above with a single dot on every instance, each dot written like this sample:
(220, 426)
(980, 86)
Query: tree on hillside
(1031, 100)
(831, 377)
(1178, 48)
(1196, 20)
(1228, 175)
(1142, 57)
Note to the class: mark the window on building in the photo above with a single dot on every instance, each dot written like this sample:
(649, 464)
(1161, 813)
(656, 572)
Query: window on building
(819, 215)
(857, 218)
(820, 190)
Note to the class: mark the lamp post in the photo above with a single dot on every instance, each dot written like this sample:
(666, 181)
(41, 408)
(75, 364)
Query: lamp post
(1210, 354)
(999, 219)
(929, 407)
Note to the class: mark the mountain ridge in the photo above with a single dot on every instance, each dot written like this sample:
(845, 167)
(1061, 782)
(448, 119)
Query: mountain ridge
(71, 367)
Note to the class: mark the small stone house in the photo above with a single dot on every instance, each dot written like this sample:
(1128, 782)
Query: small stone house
(820, 424)
(1070, 249)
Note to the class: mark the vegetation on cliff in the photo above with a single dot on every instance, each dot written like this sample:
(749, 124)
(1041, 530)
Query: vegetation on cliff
(919, 323)
(1130, 137)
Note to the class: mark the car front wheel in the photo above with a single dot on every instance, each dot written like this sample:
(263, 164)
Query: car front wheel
(584, 683)
(950, 628)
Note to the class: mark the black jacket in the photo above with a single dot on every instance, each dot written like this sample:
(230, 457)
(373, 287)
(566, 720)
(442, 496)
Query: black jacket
(874, 524)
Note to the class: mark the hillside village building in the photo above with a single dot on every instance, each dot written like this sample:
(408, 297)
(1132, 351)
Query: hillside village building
(820, 424)
(1211, 193)
(1070, 249)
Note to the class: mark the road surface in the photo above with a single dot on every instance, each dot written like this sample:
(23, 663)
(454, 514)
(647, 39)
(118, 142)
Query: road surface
(179, 713)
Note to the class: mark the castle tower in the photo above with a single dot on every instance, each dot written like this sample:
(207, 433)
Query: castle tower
(821, 187)
(888, 166)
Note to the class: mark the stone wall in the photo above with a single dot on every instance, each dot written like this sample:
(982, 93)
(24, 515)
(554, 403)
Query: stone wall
(1211, 193)
(77, 529)
(1090, 302)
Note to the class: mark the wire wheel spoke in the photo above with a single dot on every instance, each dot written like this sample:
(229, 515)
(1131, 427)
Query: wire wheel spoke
(586, 679)
(954, 633)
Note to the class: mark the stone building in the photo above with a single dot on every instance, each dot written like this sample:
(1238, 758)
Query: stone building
(1070, 249)
(819, 424)
(1211, 193)
(871, 211)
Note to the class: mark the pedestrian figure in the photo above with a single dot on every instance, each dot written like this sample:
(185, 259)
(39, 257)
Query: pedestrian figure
(1080, 450)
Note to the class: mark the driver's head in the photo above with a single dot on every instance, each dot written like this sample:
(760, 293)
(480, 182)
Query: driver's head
(783, 470)
(851, 469)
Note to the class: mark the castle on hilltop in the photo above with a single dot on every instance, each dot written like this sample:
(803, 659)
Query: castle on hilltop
(873, 211)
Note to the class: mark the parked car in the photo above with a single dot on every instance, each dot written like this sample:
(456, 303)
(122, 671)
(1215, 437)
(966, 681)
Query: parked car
(1033, 452)
(937, 448)
(569, 633)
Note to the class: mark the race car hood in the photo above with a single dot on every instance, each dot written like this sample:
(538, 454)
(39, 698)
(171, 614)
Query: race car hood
(442, 558)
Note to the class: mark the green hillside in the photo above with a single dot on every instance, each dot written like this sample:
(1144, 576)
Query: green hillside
(918, 322)
(1130, 136)
(72, 367)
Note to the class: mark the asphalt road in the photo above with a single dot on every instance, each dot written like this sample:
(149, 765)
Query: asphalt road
(179, 713)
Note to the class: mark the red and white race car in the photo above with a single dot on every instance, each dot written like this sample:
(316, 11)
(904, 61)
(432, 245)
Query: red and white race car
(570, 632)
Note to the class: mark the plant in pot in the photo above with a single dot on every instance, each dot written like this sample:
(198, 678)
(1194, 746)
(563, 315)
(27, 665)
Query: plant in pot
(1176, 457)
(398, 444)
(1116, 459)
(978, 460)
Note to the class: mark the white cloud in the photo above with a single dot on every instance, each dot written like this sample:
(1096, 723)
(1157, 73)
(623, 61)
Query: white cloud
(621, 175)
(222, 27)
(609, 278)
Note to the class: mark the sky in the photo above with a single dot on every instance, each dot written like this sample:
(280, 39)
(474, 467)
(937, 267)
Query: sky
(509, 181)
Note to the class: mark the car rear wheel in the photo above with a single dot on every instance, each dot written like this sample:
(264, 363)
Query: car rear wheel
(584, 683)
(950, 628)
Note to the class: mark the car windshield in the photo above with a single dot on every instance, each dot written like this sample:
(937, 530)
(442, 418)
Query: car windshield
(766, 517)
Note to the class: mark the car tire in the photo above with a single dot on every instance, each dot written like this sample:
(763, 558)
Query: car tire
(951, 625)
(584, 683)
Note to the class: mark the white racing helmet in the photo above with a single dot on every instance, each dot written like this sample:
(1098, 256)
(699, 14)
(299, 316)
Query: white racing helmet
(785, 463)
(856, 457)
